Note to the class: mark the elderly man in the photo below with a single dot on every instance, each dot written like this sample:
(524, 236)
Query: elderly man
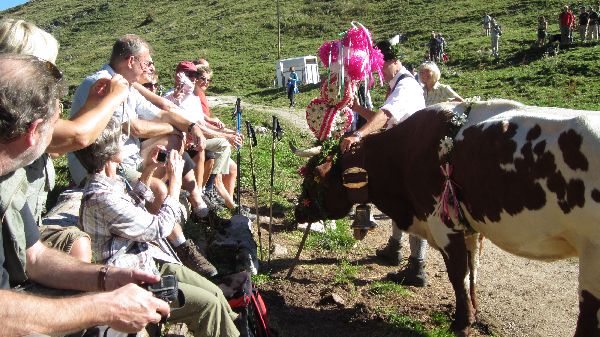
(405, 98)
(29, 93)
(141, 119)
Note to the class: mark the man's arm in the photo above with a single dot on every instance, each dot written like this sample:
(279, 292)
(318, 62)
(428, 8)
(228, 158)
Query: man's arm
(142, 128)
(84, 127)
(375, 121)
(126, 308)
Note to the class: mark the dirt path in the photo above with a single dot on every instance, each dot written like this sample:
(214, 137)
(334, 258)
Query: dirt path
(517, 297)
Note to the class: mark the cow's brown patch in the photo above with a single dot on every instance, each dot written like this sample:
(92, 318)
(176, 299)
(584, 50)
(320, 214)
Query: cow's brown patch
(570, 145)
(491, 186)
(596, 195)
(587, 324)
(534, 133)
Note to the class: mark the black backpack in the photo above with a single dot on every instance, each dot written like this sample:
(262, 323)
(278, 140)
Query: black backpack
(244, 299)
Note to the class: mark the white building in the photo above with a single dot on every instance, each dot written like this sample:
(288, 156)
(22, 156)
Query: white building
(307, 68)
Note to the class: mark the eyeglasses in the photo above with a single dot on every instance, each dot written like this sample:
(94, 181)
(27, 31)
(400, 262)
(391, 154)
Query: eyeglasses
(51, 67)
(150, 85)
(145, 64)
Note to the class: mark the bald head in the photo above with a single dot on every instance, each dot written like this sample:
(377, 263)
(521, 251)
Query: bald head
(29, 90)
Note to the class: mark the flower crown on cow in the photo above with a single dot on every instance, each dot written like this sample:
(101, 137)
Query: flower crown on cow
(349, 60)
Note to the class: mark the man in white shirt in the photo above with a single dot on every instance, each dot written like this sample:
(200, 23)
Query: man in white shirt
(141, 119)
(405, 98)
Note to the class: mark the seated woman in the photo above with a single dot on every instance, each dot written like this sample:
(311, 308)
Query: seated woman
(124, 233)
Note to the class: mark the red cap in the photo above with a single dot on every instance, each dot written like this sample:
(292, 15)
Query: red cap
(186, 66)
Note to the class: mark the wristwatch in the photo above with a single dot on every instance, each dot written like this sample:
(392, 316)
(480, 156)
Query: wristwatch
(357, 134)
(191, 126)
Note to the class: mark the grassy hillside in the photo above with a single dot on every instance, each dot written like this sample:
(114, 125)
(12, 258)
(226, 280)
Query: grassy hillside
(240, 40)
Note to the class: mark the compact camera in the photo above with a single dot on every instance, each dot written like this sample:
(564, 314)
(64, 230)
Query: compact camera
(162, 156)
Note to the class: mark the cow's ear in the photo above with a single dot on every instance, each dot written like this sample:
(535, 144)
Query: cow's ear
(324, 168)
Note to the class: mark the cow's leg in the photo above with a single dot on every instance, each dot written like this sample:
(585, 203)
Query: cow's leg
(588, 324)
(473, 248)
(456, 257)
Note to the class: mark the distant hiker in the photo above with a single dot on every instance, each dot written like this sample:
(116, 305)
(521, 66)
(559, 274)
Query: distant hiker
(592, 25)
(487, 24)
(583, 23)
(542, 31)
(495, 36)
(565, 21)
(292, 86)
(433, 47)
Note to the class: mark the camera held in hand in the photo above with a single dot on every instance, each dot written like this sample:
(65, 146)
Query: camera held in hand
(162, 156)
(166, 289)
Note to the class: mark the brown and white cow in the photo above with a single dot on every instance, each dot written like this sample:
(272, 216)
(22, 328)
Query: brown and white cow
(527, 178)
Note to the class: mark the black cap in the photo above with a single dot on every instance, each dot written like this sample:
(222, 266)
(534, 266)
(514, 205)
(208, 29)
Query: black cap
(389, 51)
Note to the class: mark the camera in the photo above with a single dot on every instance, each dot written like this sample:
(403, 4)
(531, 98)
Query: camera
(166, 289)
(162, 156)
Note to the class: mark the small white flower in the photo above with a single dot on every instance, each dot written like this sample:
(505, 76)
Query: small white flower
(446, 145)
(459, 120)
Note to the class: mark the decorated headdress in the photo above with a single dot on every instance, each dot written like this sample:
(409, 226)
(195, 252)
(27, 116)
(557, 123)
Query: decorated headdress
(349, 60)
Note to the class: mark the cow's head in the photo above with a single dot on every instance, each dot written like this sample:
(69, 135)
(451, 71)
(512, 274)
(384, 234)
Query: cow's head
(323, 195)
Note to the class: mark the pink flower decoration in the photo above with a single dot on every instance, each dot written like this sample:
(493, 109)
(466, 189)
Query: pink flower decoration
(302, 171)
(357, 38)
(326, 48)
(358, 66)
(376, 59)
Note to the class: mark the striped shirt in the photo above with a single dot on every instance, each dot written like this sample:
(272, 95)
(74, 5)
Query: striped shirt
(123, 232)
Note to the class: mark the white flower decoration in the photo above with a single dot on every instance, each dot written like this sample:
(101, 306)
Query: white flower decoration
(446, 145)
(459, 119)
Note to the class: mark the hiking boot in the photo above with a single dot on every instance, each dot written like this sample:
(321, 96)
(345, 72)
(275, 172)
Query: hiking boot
(363, 218)
(391, 253)
(245, 211)
(412, 275)
(191, 257)
(211, 203)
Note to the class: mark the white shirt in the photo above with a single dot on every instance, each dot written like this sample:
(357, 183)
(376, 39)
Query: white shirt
(190, 106)
(136, 106)
(405, 99)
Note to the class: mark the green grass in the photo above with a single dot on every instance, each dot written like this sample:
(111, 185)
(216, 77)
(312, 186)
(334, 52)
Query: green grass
(240, 41)
(410, 327)
(383, 288)
(339, 239)
(346, 273)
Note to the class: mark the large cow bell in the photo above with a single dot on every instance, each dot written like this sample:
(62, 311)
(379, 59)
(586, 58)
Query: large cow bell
(362, 223)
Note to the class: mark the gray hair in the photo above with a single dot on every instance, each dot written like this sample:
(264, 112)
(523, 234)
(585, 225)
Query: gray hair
(22, 37)
(126, 46)
(105, 147)
(29, 89)
(431, 66)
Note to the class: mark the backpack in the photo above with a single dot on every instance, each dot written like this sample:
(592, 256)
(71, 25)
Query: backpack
(245, 299)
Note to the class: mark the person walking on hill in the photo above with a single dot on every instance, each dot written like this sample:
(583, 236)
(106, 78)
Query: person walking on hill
(292, 86)
(542, 30)
(495, 36)
(583, 23)
(487, 24)
(592, 32)
(565, 21)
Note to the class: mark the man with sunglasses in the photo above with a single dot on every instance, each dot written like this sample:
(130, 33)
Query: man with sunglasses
(30, 89)
(141, 119)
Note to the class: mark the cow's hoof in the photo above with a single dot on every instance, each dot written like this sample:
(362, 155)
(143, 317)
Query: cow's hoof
(360, 234)
(461, 332)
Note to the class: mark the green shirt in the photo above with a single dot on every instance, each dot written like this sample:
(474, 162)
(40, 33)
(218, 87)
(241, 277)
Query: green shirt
(19, 228)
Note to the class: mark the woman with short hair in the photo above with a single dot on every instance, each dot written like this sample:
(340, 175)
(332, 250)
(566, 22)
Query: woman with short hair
(434, 91)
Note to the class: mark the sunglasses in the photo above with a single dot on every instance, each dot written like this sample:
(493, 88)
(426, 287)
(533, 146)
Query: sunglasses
(52, 69)
(150, 85)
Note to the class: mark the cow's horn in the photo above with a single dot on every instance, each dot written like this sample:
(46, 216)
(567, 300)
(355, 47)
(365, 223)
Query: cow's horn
(305, 153)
